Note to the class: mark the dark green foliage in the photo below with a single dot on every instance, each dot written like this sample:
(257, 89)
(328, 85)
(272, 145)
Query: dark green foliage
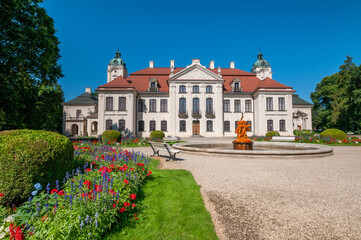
(86, 139)
(157, 135)
(111, 135)
(303, 132)
(333, 133)
(29, 157)
(30, 96)
(272, 134)
(337, 99)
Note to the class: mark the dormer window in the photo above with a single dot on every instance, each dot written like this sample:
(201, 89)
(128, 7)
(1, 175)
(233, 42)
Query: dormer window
(153, 85)
(236, 85)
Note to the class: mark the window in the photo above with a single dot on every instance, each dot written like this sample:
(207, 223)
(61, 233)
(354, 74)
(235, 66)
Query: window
(237, 105)
(227, 127)
(152, 105)
(163, 126)
(236, 125)
(269, 104)
(196, 105)
(121, 125)
(282, 125)
(250, 125)
(209, 105)
(108, 124)
(182, 125)
(236, 86)
(226, 105)
(78, 113)
(281, 104)
(209, 126)
(152, 85)
(141, 126)
(248, 106)
(151, 125)
(182, 105)
(209, 89)
(195, 89)
(108, 103)
(141, 105)
(122, 104)
(164, 105)
(269, 125)
(182, 89)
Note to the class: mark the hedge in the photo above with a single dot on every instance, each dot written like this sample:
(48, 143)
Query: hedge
(272, 133)
(111, 135)
(29, 157)
(333, 133)
(157, 135)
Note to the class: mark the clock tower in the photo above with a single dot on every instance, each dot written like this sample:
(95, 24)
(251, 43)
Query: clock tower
(262, 68)
(116, 68)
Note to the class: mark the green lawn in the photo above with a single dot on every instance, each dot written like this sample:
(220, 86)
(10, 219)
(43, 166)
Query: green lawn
(170, 207)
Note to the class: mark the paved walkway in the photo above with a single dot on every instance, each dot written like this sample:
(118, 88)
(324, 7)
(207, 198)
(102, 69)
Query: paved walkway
(286, 198)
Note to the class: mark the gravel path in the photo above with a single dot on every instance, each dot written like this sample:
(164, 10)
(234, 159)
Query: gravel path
(286, 198)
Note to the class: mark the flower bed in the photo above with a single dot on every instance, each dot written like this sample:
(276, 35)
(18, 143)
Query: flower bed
(318, 140)
(101, 193)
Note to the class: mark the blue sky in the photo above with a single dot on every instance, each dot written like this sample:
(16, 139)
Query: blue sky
(303, 41)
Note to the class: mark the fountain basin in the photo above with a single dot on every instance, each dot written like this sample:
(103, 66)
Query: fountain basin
(259, 149)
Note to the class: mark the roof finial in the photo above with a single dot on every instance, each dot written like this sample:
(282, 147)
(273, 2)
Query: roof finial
(260, 55)
(117, 54)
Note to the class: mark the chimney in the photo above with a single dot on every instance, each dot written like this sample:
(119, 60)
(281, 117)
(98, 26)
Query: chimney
(88, 90)
(151, 64)
(171, 63)
(231, 65)
(211, 65)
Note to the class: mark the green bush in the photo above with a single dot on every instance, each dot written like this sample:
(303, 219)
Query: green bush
(86, 139)
(157, 135)
(111, 135)
(333, 133)
(303, 132)
(272, 134)
(29, 157)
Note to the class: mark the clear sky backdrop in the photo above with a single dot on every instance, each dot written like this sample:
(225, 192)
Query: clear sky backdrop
(303, 41)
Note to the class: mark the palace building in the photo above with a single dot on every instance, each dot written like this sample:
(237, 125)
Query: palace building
(187, 101)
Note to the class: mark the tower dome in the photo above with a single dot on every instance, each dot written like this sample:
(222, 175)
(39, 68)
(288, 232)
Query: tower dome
(261, 67)
(117, 61)
(261, 63)
(116, 68)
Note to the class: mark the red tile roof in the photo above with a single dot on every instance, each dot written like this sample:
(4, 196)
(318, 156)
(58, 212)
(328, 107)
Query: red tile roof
(140, 80)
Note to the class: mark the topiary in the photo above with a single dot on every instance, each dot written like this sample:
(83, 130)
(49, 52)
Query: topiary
(29, 157)
(333, 133)
(272, 134)
(111, 135)
(157, 135)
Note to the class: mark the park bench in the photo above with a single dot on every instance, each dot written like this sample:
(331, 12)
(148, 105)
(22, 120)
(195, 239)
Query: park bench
(171, 139)
(157, 146)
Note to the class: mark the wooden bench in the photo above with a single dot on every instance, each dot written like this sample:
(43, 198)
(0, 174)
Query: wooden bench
(157, 146)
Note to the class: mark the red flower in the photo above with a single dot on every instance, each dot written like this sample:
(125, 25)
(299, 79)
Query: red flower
(102, 156)
(131, 169)
(114, 205)
(121, 210)
(54, 191)
(134, 205)
(98, 188)
(1, 194)
(133, 196)
(87, 184)
(149, 172)
(126, 181)
(111, 191)
(61, 193)
(88, 170)
(126, 204)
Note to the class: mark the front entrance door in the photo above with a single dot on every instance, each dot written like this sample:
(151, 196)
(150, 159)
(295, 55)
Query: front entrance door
(196, 127)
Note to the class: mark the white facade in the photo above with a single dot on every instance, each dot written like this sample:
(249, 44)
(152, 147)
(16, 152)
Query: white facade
(194, 100)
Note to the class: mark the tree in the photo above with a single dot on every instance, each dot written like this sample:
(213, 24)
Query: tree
(30, 96)
(337, 100)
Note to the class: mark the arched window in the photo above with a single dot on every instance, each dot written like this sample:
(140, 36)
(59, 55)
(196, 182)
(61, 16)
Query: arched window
(121, 125)
(282, 125)
(195, 89)
(74, 129)
(141, 126)
(182, 125)
(209, 89)
(195, 105)
(269, 125)
(209, 105)
(182, 105)
(163, 125)
(227, 127)
(209, 126)
(108, 124)
(151, 125)
(182, 89)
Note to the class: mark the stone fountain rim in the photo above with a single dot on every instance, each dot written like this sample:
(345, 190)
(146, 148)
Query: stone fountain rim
(295, 149)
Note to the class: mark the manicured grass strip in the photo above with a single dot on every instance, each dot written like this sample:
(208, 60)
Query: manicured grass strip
(170, 207)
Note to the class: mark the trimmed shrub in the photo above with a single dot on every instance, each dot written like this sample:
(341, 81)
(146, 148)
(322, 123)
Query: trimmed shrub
(272, 134)
(304, 132)
(333, 133)
(157, 135)
(29, 157)
(111, 135)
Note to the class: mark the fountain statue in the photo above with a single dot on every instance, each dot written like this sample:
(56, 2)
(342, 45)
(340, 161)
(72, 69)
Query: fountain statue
(242, 142)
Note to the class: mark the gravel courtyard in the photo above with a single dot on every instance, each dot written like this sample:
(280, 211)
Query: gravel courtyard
(279, 198)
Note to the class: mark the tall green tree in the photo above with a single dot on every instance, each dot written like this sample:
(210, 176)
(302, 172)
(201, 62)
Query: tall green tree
(337, 99)
(30, 96)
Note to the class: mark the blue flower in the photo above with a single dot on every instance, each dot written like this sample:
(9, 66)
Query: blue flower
(37, 186)
(34, 193)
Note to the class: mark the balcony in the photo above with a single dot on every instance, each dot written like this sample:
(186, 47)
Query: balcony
(196, 114)
(74, 119)
(152, 89)
(183, 114)
(210, 114)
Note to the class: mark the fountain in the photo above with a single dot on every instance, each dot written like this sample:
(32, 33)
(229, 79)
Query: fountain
(242, 142)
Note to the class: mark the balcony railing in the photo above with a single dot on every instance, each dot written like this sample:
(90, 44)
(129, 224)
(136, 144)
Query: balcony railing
(183, 114)
(74, 118)
(210, 114)
(153, 89)
(196, 114)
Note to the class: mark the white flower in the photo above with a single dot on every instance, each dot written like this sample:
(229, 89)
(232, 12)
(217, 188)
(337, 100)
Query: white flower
(1, 228)
(2, 235)
(7, 229)
(10, 219)
(339, 142)
(356, 142)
